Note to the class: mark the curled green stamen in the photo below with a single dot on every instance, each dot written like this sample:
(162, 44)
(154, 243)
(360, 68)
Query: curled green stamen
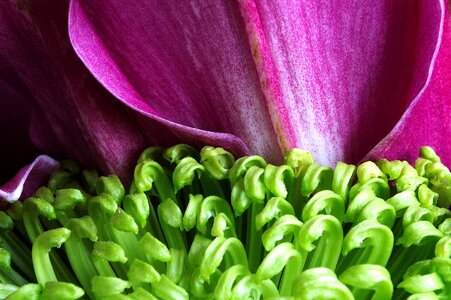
(254, 185)
(282, 227)
(316, 178)
(330, 234)
(402, 201)
(376, 239)
(176, 153)
(151, 153)
(343, 176)
(192, 211)
(122, 221)
(40, 253)
(274, 208)
(419, 233)
(378, 210)
(67, 199)
(392, 169)
(324, 201)
(379, 186)
(242, 164)
(367, 171)
(216, 251)
(239, 200)
(210, 207)
(368, 277)
(250, 286)
(299, 160)
(203, 226)
(185, 171)
(30, 291)
(227, 280)
(216, 161)
(318, 282)
(279, 180)
(422, 283)
(357, 203)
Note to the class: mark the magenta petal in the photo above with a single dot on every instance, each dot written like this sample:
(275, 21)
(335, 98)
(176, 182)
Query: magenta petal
(28, 179)
(331, 77)
(185, 64)
(342, 73)
(428, 119)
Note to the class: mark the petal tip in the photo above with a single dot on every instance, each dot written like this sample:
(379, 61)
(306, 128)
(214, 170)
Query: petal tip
(28, 179)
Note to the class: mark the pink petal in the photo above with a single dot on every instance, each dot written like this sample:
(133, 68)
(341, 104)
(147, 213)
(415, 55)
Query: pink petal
(340, 74)
(428, 119)
(28, 179)
(185, 64)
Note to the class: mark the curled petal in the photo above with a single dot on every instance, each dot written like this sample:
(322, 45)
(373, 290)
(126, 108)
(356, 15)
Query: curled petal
(188, 74)
(430, 104)
(28, 179)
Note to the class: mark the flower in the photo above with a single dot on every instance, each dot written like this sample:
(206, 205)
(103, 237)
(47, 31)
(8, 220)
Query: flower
(346, 81)
(97, 81)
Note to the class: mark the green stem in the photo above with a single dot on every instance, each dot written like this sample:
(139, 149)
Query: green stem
(103, 267)
(149, 173)
(253, 238)
(153, 225)
(100, 209)
(21, 254)
(12, 277)
(210, 186)
(81, 262)
(130, 244)
(32, 225)
(406, 257)
(175, 241)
